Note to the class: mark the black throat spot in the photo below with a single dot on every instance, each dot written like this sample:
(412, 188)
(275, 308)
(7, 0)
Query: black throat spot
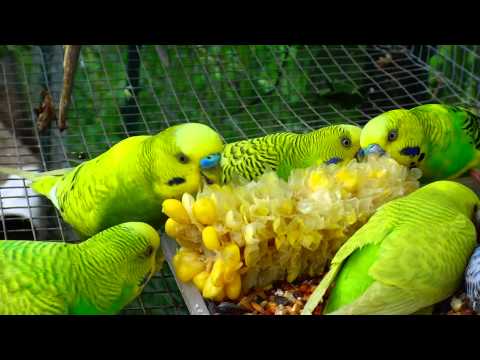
(176, 181)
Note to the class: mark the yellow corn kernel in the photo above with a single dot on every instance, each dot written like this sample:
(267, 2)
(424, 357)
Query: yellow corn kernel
(293, 237)
(231, 256)
(188, 269)
(172, 228)
(351, 218)
(377, 173)
(185, 242)
(210, 238)
(230, 271)
(249, 233)
(348, 180)
(210, 291)
(220, 296)
(174, 209)
(205, 211)
(251, 254)
(294, 269)
(231, 253)
(279, 241)
(177, 259)
(286, 208)
(216, 276)
(316, 181)
(231, 222)
(234, 288)
(200, 279)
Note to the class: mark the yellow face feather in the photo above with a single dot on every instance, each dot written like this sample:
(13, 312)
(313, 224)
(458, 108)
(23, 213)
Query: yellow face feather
(339, 143)
(179, 156)
(398, 133)
(353, 133)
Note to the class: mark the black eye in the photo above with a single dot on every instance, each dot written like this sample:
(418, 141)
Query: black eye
(346, 142)
(392, 135)
(183, 158)
(149, 251)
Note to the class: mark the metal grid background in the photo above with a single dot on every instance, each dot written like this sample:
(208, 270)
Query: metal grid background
(242, 91)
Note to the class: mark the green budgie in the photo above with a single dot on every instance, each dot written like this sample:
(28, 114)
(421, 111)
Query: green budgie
(410, 255)
(130, 181)
(443, 141)
(283, 152)
(98, 276)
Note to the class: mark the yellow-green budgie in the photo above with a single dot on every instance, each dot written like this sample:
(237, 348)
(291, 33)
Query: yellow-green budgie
(283, 152)
(130, 181)
(98, 276)
(410, 255)
(443, 141)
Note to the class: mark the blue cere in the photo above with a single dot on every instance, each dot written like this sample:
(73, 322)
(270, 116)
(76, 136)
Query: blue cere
(210, 161)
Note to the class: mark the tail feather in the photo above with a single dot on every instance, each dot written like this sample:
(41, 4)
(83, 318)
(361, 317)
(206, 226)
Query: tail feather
(320, 290)
(42, 182)
(29, 175)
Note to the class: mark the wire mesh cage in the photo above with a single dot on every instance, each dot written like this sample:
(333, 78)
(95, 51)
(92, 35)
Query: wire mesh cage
(241, 91)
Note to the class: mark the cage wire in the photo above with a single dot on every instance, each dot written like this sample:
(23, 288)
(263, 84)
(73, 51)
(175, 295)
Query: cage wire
(241, 91)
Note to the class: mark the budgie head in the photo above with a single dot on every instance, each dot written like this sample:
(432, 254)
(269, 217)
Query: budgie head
(396, 133)
(183, 156)
(339, 143)
(125, 257)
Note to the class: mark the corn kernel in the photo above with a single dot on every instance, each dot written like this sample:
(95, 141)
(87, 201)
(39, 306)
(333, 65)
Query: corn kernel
(286, 208)
(249, 233)
(205, 211)
(177, 259)
(216, 276)
(251, 254)
(210, 238)
(210, 291)
(200, 279)
(231, 253)
(316, 181)
(231, 222)
(174, 209)
(234, 288)
(187, 270)
(172, 228)
(220, 296)
(279, 241)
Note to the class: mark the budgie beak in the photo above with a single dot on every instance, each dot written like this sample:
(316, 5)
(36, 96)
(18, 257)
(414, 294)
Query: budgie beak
(210, 168)
(373, 149)
(360, 155)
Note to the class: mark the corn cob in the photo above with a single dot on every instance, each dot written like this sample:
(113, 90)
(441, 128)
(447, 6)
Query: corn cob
(240, 236)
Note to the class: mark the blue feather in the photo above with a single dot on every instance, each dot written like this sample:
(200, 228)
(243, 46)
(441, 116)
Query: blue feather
(334, 160)
(410, 151)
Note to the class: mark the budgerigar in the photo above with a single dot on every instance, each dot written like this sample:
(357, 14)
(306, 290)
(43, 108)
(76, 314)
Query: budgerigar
(130, 181)
(443, 141)
(410, 255)
(283, 152)
(98, 276)
(472, 280)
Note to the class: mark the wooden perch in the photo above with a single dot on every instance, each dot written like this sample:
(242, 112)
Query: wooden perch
(70, 61)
